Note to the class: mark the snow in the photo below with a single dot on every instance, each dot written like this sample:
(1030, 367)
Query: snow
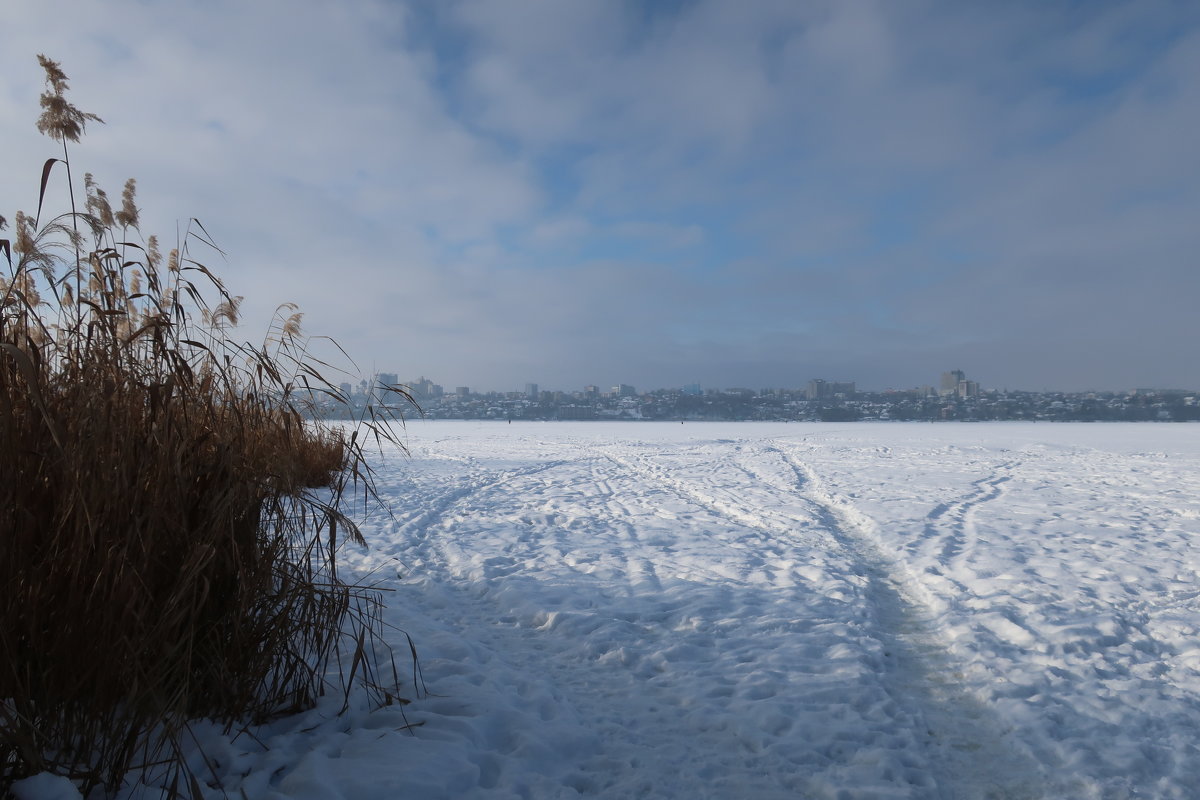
(734, 610)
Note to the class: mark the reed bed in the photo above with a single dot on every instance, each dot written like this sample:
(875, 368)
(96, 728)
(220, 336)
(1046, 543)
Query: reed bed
(171, 518)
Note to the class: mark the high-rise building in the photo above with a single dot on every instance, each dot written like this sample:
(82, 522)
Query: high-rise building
(382, 388)
(531, 391)
(462, 391)
(822, 390)
(424, 389)
(950, 381)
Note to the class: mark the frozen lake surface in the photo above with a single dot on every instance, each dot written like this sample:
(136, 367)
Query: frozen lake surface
(746, 610)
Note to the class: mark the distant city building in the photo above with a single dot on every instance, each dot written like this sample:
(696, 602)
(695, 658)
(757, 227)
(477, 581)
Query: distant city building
(381, 387)
(819, 389)
(950, 381)
(955, 384)
(576, 412)
(591, 391)
(531, 391)
(693, 390)
(462, 391)
(624, 390)
(425, 389)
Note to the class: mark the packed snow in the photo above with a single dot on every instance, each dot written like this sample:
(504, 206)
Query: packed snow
(752, 610)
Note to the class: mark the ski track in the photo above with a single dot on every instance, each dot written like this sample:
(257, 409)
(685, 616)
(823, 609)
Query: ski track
(972, 749)
(959, 516)
(942, 612)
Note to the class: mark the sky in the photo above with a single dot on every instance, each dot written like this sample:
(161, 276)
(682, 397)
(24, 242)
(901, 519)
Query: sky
(737, 194)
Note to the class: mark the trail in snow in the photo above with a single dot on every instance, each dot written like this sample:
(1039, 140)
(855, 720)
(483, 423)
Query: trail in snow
(975, 752)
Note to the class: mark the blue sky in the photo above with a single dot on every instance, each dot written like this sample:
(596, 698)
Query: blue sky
(739, 194)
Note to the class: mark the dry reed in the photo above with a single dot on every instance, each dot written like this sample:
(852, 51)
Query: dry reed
(171, 520)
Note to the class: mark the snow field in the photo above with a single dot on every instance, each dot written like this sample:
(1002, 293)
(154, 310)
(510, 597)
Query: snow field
(734, 610)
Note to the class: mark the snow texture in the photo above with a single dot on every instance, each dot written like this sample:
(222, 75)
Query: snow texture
(745, 610)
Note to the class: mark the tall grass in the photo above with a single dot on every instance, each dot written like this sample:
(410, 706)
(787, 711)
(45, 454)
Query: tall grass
(170, 520)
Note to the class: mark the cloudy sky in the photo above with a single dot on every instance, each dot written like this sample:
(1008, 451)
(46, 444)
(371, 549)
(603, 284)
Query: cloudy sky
(494, 192)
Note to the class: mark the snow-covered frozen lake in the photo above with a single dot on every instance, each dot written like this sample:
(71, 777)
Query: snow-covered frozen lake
(749, 610)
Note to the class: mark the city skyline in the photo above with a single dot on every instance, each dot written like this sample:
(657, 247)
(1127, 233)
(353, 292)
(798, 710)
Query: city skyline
(955, 399)
(659, 193)
(937, 384)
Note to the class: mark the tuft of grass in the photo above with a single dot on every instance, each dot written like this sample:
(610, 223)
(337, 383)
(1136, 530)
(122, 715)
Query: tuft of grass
(172, 520)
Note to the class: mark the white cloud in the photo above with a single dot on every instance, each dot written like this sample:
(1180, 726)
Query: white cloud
(444, 185)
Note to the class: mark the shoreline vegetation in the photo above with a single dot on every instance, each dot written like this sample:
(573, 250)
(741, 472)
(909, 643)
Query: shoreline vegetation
(170, 547)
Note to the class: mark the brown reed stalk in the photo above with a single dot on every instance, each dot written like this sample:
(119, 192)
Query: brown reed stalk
(171, 519)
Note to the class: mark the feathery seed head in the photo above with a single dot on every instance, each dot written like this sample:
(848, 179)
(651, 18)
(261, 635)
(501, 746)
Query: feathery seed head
(98, 204)
(23, 283)
(226, 313)
(60, 120)
(54, 74)
(153, 256)
(291, 327)
(26, 243)
(127, 217)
